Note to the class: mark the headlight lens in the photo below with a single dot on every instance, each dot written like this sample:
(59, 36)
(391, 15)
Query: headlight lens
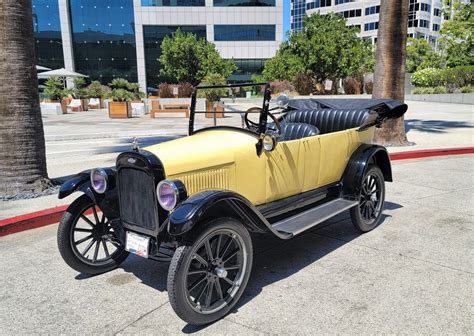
(168, 194)
(99, 180)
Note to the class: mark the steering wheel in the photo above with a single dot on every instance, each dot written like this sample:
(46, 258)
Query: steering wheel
(253, 126)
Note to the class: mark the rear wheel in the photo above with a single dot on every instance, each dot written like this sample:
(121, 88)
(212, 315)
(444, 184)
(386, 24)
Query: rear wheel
(86, 239)
(207, 277)
(367, 214)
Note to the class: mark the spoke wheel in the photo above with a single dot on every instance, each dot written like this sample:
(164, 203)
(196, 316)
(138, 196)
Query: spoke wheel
(366, 215)
(207, 278)
(86, 239)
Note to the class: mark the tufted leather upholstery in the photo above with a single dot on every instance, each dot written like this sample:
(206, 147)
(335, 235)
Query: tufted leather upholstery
(329, 120)
(293, 131)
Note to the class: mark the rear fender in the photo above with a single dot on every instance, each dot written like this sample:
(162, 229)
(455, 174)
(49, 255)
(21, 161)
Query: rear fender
(364, 156)
(217, 203)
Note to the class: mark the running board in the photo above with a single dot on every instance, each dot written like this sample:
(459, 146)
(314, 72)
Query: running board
(309, 218)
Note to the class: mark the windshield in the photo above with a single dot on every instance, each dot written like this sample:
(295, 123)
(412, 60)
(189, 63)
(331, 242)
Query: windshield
(243, 106)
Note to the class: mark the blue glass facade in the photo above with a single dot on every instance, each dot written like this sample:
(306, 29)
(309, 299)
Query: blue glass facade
(244, 3)
(103, 39)
(47, 33)
(244, 32)
(152, 38)
(173, 3)
(298, 12)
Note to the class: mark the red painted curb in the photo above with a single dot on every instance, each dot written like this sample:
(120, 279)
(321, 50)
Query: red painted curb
(423, 153)
(50, 216)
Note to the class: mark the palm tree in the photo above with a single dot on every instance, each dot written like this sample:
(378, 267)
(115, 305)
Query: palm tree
(389, 76)
(22, 148)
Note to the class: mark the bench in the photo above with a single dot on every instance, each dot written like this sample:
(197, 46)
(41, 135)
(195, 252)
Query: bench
(156, 107)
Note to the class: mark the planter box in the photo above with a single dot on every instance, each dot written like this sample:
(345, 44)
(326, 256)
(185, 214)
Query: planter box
(85, 104)
(119, 110)
(218, 110)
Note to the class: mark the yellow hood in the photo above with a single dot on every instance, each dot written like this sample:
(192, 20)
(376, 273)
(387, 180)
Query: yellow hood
(202, 151)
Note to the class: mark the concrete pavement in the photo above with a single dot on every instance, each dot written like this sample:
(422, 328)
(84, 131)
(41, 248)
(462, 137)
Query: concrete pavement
(413, 274)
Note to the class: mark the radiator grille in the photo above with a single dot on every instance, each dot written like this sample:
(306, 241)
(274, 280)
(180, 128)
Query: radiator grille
(217, 178)
(137, 198)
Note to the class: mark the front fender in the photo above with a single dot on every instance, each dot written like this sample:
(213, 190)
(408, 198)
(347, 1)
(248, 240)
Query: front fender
(80, 182)
(358, 163)
(218, 203)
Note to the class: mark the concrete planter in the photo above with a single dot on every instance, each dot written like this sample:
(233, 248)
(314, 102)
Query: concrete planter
(450, 98)
(217, 108)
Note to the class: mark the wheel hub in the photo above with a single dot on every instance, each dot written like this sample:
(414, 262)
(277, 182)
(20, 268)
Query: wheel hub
(221, 272)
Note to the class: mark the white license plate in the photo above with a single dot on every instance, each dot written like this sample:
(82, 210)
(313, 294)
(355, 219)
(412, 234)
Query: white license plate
(137, 244)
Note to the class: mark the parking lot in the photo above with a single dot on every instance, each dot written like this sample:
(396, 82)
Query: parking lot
(413, 274)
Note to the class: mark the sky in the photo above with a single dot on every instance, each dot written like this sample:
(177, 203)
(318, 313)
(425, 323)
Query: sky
(286, 17)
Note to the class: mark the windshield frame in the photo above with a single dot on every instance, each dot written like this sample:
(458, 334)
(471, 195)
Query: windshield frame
(262, 124)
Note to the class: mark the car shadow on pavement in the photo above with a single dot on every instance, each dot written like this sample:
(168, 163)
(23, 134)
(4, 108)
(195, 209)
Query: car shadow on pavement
(434, 126)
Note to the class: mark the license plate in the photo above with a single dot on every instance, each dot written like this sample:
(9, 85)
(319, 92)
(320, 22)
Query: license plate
(137, 244)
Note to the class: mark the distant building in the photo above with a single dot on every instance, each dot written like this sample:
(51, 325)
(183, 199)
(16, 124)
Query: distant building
(105, 39)
(424, 17)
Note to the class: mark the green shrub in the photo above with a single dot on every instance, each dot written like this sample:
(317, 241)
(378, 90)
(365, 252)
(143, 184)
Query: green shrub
(54, 89)
(121, 95)
(440, 89)
(97, 90)
(123, 84)
(418, 90)
(467, 89)
(428, 77)
(455, 78)
(214, 95)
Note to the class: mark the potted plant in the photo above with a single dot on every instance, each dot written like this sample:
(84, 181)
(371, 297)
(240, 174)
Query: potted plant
(99, 91)
(123, 92)
(213, 96)
(80, 92)
(55, 92)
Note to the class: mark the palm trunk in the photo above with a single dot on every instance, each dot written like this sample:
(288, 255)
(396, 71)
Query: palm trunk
(22, 148)
(389, 76)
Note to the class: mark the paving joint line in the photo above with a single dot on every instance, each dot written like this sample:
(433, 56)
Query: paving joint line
(396, 254)
(140, 318)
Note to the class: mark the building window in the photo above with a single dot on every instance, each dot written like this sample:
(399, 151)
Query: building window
(437, 12)
(435, 27)
(339, 2)
(318, 4)
(424, 24)
(412, 23)
(47, 34)
(351, 13)
(246, 68)
(152, 38)
(103, 38)
(244, 3)
(371, 26)
(297, 13)
(244, 32)
(173, 3)
(372, 10)
(425, 7)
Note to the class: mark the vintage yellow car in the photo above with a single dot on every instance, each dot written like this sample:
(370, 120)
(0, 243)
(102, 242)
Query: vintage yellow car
(195, 200)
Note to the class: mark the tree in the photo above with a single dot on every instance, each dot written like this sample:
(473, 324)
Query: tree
(22, 153)
(420, 55)
(189, 59)
(325, 48)
(456, 35)
(389, 76)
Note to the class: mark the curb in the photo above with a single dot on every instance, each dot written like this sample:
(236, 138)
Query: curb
(53, 215)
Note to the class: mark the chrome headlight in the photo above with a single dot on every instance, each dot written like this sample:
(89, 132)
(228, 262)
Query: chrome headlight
(99, 180)
(170, 193)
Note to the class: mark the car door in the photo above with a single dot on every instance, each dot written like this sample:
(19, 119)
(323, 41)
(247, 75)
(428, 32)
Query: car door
(284, 173)
(334, 155)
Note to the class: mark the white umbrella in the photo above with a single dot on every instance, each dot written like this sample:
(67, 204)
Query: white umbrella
(41, 68)
(60, 73)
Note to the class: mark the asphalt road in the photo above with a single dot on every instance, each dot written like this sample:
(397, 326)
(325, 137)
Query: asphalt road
(412, 275)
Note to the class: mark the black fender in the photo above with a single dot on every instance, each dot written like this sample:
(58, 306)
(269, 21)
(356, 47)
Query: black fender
(108, 202)
(358, 163)
(218, 203)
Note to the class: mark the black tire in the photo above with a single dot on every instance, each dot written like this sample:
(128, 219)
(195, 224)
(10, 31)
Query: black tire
(367, 214)
(226, 238)
(99, 237)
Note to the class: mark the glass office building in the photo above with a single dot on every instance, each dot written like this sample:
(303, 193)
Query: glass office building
(105, 39)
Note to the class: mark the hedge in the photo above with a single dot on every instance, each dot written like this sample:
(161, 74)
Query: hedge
(451, 78)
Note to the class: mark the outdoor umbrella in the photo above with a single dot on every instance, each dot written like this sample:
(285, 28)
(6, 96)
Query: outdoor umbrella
(60, 73)
(41, 68)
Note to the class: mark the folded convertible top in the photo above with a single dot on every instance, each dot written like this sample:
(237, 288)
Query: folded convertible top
(383, 108)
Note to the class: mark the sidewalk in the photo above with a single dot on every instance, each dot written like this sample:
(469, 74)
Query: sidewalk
(84, 140)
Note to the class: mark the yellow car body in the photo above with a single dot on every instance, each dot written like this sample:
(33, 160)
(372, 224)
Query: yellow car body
(227, 159)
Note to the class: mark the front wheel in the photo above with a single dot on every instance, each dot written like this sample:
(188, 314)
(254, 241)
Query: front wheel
(367, 214)
(87, 241)
(207, 277)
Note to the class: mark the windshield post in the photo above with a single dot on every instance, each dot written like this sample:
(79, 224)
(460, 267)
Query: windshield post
(267, 95)
(192, 109)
